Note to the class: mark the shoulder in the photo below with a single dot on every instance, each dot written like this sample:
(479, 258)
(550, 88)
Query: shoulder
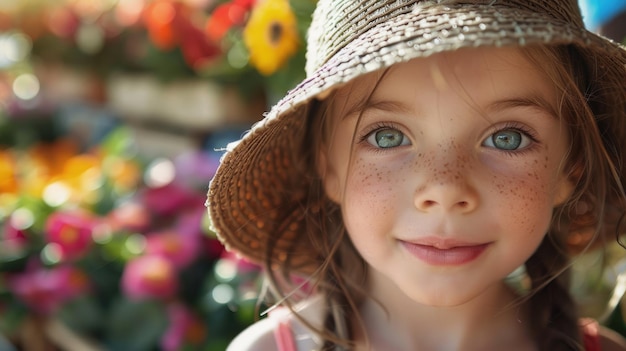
(258, 336)
(262, 334)
(611, 341)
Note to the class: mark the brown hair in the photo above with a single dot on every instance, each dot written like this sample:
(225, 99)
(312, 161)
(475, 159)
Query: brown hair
(593, 211)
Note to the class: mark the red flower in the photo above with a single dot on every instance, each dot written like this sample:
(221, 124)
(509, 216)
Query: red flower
(197, 50)
(169, 24)
(148, 277)
(72, 232)
(226, 16)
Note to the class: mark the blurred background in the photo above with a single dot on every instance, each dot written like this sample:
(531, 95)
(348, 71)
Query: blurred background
(112, 115)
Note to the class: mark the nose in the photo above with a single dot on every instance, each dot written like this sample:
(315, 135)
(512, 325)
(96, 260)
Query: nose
(447, 189)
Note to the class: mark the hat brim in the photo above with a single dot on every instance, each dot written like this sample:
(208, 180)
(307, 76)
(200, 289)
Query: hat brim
(258, 192)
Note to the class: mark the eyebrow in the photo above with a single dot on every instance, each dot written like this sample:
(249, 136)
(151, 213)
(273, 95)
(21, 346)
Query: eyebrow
(533, 101)
(382, 105)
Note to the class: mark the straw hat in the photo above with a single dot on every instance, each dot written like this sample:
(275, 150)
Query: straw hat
(259, 195)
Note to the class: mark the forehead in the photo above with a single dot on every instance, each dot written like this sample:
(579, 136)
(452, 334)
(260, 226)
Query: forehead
(476, 74)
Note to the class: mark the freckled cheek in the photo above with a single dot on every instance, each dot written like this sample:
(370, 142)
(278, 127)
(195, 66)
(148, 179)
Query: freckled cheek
(525, 197)
(371, 188)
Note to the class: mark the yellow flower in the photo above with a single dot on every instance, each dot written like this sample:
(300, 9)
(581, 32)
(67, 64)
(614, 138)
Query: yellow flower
(271, 35)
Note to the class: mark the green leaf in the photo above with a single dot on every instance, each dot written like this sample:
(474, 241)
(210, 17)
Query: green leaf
(135, 325)
(118, 142)
(13, 313)
(81, 314)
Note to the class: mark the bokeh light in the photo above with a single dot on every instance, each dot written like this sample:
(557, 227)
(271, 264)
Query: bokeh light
(223, 293)
(159, 173)
(26, 86)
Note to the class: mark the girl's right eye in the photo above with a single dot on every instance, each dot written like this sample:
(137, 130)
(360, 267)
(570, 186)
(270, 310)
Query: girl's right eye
(386, 137)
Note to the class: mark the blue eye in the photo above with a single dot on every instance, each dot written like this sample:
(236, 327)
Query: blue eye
(387, 138)
(508, 140)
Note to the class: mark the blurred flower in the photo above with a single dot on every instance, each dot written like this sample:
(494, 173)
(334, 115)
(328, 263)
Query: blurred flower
(198, 51)
(8, 181)
(44, 162)
(271, 35)
(184, 329)
(190, 221)
(82, 174)
(14, 240)
(159, 18)
(169, 24)
(177, 248)
(226, 16)
(125, 173)
(148, 277)
(75, 197)
(195, 167)
(167, 199)
(72, 232)
(44, 290)
(129, 216)
(53, 156)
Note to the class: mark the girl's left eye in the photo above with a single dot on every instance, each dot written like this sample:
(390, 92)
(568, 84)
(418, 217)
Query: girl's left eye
(508, 140)
(385, 138)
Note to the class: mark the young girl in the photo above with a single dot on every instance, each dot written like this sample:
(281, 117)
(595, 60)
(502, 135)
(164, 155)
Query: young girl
(435, 148)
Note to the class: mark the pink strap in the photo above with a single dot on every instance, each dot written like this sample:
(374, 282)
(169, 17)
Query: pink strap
(591, 335)
(282, 333)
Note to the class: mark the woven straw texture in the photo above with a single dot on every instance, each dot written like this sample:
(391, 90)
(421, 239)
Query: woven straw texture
(258, 194)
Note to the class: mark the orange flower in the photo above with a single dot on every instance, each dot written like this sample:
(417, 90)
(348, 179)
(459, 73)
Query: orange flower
(8, 180)
(159, 18)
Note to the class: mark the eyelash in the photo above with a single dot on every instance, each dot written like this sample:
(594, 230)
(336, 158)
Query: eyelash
(362, 137)
(528, 132)
(531, 134)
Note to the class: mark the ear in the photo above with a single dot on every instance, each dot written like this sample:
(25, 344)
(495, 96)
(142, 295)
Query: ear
(329, 176)
(564, 188)
(567, 183)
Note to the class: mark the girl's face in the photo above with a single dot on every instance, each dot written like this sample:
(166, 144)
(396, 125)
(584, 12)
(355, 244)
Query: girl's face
(448, 180)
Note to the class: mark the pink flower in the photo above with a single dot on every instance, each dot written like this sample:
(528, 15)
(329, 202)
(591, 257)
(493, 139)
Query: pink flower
(193, 168)
(167, 199)
(44, 290)
(129, 216)
(150, 276)
(184, 329)
(14, 241)
(189, 222)
(72, 232)
(178, 248)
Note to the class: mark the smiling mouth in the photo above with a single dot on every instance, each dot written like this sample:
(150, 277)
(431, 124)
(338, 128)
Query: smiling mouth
(449, 255)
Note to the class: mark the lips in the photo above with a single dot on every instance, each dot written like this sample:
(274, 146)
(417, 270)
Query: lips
(443, 252)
